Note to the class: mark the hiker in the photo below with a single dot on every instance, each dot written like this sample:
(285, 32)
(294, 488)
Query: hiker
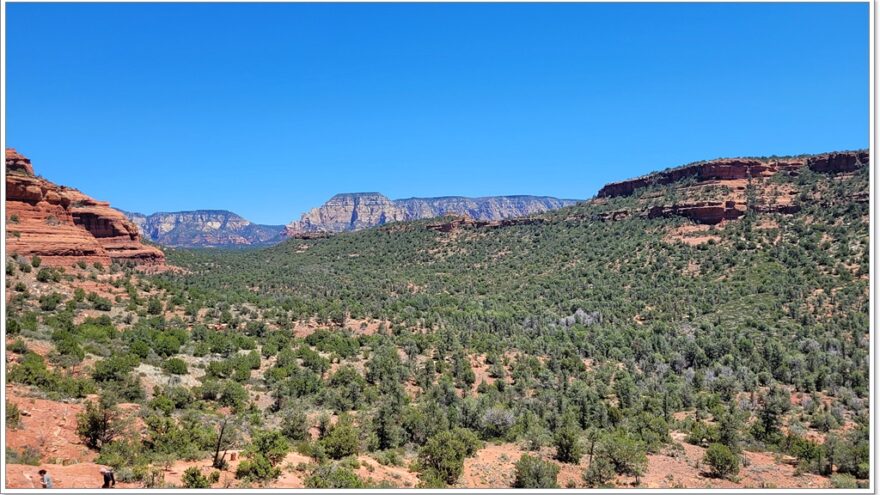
(109, 479)
(45, 479)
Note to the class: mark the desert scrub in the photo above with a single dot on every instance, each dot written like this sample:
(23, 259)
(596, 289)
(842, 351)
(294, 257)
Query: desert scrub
(722, 462)
(532, 472)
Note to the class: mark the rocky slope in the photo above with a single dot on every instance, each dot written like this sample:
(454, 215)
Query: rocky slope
(204, 228)
(64, 226)
(725, 189)
(356, 211)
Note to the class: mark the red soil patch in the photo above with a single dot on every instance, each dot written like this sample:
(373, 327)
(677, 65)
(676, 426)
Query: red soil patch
(685, 469)
(491, 467)
(48, 426)
(364, 327)
(692, 235)
(83, 475)
(397, 476)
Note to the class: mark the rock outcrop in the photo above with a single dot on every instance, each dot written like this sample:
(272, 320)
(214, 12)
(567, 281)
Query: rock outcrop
(738, 168)
(714, 191)
(356, 211)
(347, 212)
(204, 228)
(64, 226)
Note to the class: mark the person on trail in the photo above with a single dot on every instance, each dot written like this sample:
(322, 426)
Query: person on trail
(109, 479)
(45, 479)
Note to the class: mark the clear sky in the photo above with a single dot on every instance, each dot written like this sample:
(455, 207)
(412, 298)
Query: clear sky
(269, 109)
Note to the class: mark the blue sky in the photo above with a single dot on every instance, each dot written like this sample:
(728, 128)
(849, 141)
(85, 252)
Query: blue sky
(269, 109)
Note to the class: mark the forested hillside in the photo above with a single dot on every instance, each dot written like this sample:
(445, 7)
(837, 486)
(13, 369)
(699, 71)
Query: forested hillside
(644, 338)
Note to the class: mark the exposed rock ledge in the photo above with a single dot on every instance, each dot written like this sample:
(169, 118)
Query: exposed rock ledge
(738, 168)
(64, 226)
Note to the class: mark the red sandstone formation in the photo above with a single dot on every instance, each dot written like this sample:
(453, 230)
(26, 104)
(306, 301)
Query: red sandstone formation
(64, 226)
(838, 162)
(736, 174)
(738, 168)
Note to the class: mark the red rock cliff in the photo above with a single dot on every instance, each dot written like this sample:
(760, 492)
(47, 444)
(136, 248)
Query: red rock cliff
(717, 191)
(738, 168)
(64, 226)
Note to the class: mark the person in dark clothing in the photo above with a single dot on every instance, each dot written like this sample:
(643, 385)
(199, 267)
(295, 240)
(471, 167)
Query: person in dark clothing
(109, 479)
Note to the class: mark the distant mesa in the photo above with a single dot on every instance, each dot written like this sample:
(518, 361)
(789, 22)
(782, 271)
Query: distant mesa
(64, 226)
(357, 211)
(204, 228)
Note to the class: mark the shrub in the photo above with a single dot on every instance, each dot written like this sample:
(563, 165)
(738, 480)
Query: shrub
(124, 452)
(257, 469)
(13, 415)
(27, 455)
(50, 301)
(269, 444)
(233, 394)
(193, 478)
(722, 462)
(114, 368)
(175, 366)
(599, 473)
(389, 458)
(294, 425)
(13, 327)
(98, 424)
(568, 445)
(166, 344)
(342, 440)
(48, 275)
(334, 476)
(442, 457)
(532, 472)
(497, 422)
(67, 345)
(36, 261)
(18, 346)
(102, 304)
(32, 370)
(843, 481)
(626, 454)
(154, 306)
(140, 348)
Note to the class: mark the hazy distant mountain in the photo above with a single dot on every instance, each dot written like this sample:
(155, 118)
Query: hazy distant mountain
(355, 211)
(204, 228)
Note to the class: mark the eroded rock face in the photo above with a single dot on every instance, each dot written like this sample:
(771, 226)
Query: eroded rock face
(838, 162)
(730, 178)
(64, 226)
(348, 212)
(204, 228)
(739, 168)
